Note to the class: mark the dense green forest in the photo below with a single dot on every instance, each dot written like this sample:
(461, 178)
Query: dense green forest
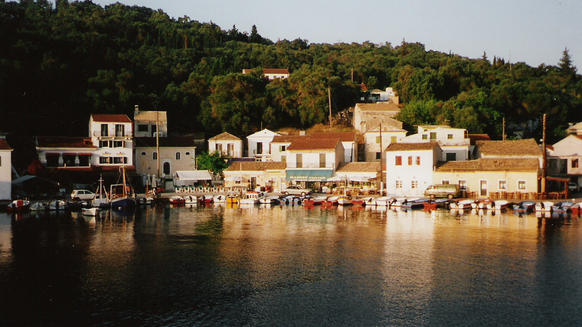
(60, 62)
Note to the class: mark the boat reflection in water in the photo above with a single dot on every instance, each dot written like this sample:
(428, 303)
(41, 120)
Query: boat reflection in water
(288, 265)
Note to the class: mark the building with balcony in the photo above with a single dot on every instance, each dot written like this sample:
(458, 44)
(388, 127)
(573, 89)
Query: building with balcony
(454, 142)
(226, 144)
(259, 144)
(112, 134)
(65, 153)
(147, 123)
(313, 159)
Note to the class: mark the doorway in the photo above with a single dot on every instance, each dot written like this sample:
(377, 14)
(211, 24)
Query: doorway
(483, 188)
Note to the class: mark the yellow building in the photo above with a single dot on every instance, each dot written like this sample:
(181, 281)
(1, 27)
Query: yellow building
(248, 175)
(501, 177)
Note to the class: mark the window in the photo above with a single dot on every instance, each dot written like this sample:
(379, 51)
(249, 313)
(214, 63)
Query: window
(166, 168)
(118, 144)
(230, 149)
(299, 160)
(424, 137)
(103, 144)
(142, 128)
(104, 130)
(155, 156)
(574, 163)
(378, 155)
(410, 160)
(393, 139)
(104, 160)
(282, 148)
(218, 148)
(449, 136)
(502, 185)
(398, 184)
(418, 160)
(521, 185)
(433, 135)
(322, 160)
(414, 184)
(259, 148)
(451, 156)
(398, 161)
(143, 153)
(445, 182)
(177, 155)
(119, 130)
(187, 153)
(378, 140)
(117, 160)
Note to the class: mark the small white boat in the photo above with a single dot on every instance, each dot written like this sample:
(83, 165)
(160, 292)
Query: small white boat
(250, 198)
(369, 201)
(545, 206)
(89, 211)
(38, 206)
(176, 200)
(269, 200)
(383, 201)
(219, 198)
(501, 204)
(190, 199)
(344, 201)
(57, 205)
(463, 204)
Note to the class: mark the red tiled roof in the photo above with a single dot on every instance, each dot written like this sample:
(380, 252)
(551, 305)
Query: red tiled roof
(411, 146)
(509, 148)
(478, 137)
(64, 142)
(111, 118)
(256, 166)
(224, 136)
(483, 164)
(312, 143)
(343, 136)
(4, 145)
(287, 138)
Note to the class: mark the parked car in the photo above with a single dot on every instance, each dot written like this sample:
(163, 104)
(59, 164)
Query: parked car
(82, 195)
(572, 187)
(443, 191)
(296, 190)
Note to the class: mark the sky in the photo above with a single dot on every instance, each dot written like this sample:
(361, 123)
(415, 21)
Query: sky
(530, 31)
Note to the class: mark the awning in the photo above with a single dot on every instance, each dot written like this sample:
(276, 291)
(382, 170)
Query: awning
(233, 178)
(193, 175)
(309, 175)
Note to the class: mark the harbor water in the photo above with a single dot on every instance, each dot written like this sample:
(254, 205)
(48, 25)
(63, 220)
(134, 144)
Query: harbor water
(280, 266)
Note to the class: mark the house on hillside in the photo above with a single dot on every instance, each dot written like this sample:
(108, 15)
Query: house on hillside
(454, 142)
(226, 144)
(259, 144)
(147, 123)
(5, 170)
(565, 158)
(65, 153)
(369, 116)
(575, 129)
(112, 134)
(388, 95)
(349, 142)
(271, 73)
(492, 177)
(374, 141)
(248, 175)
(311, 160)
(409, 167)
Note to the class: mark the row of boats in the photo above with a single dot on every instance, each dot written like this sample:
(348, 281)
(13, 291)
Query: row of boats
(252, 198)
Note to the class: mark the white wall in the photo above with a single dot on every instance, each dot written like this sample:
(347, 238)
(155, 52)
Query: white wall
(422, 174)
(570, 148)
(125, 151)
(237, 147)
(6, 175)
(372, 147)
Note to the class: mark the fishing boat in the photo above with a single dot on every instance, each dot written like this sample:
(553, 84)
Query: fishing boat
(121, 195)
(18, 205)
(190, 199)
(544, 206)
(383, 201)
(250, 198)
(89, 211)
(413, 204)
(177, 200)
(291, 200)
(206, 199)
(524, 207)
(232, 199)
(562, 207)
(344, 201)
(38, 206)
(463, 204)
(331, 201)
(269, 200)
(369, 201)
(56, 205)
(358, 202)
(101, 199)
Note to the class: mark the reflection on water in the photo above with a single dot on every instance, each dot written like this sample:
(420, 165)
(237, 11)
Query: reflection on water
(273, 265)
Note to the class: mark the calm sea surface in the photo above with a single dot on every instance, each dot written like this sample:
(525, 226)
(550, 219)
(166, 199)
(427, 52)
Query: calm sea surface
(289, 266)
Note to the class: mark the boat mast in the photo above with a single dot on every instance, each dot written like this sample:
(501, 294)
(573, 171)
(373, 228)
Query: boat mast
(123, 178)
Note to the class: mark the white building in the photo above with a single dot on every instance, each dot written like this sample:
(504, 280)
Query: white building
(454, 142)
(565, 158)
(5, 170)
(65, 153)
(389, 95)
(148, 122)
(271, 73)
(226, 144)
(112, 134)
(259, 144)
(279, 146)
(575, 129)
(374, 141)
(409, 167)
(313, 159)
(349, 142)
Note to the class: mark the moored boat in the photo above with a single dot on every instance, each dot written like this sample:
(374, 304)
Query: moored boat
(219, 198)
(331, 201)
(101, 199)
(121, 195)
(524, 207)
(544, 206)
(250, 198)
(18, 205)
(89, 211)
(190, 199)
(177, 200)
(344, 201)
(38, 206)
(463, 204)
(56, 205)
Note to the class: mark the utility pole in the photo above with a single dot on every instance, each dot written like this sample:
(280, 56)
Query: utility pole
(503, 130)
(352, 75)
(544, 157)
(329, 101)
(158, 141)
(381, 156)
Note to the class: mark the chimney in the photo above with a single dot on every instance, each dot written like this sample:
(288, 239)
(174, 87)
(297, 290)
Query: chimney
(135, 110)
(301, 133)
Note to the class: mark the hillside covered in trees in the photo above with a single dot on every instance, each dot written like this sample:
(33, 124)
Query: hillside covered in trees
(60, 63)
